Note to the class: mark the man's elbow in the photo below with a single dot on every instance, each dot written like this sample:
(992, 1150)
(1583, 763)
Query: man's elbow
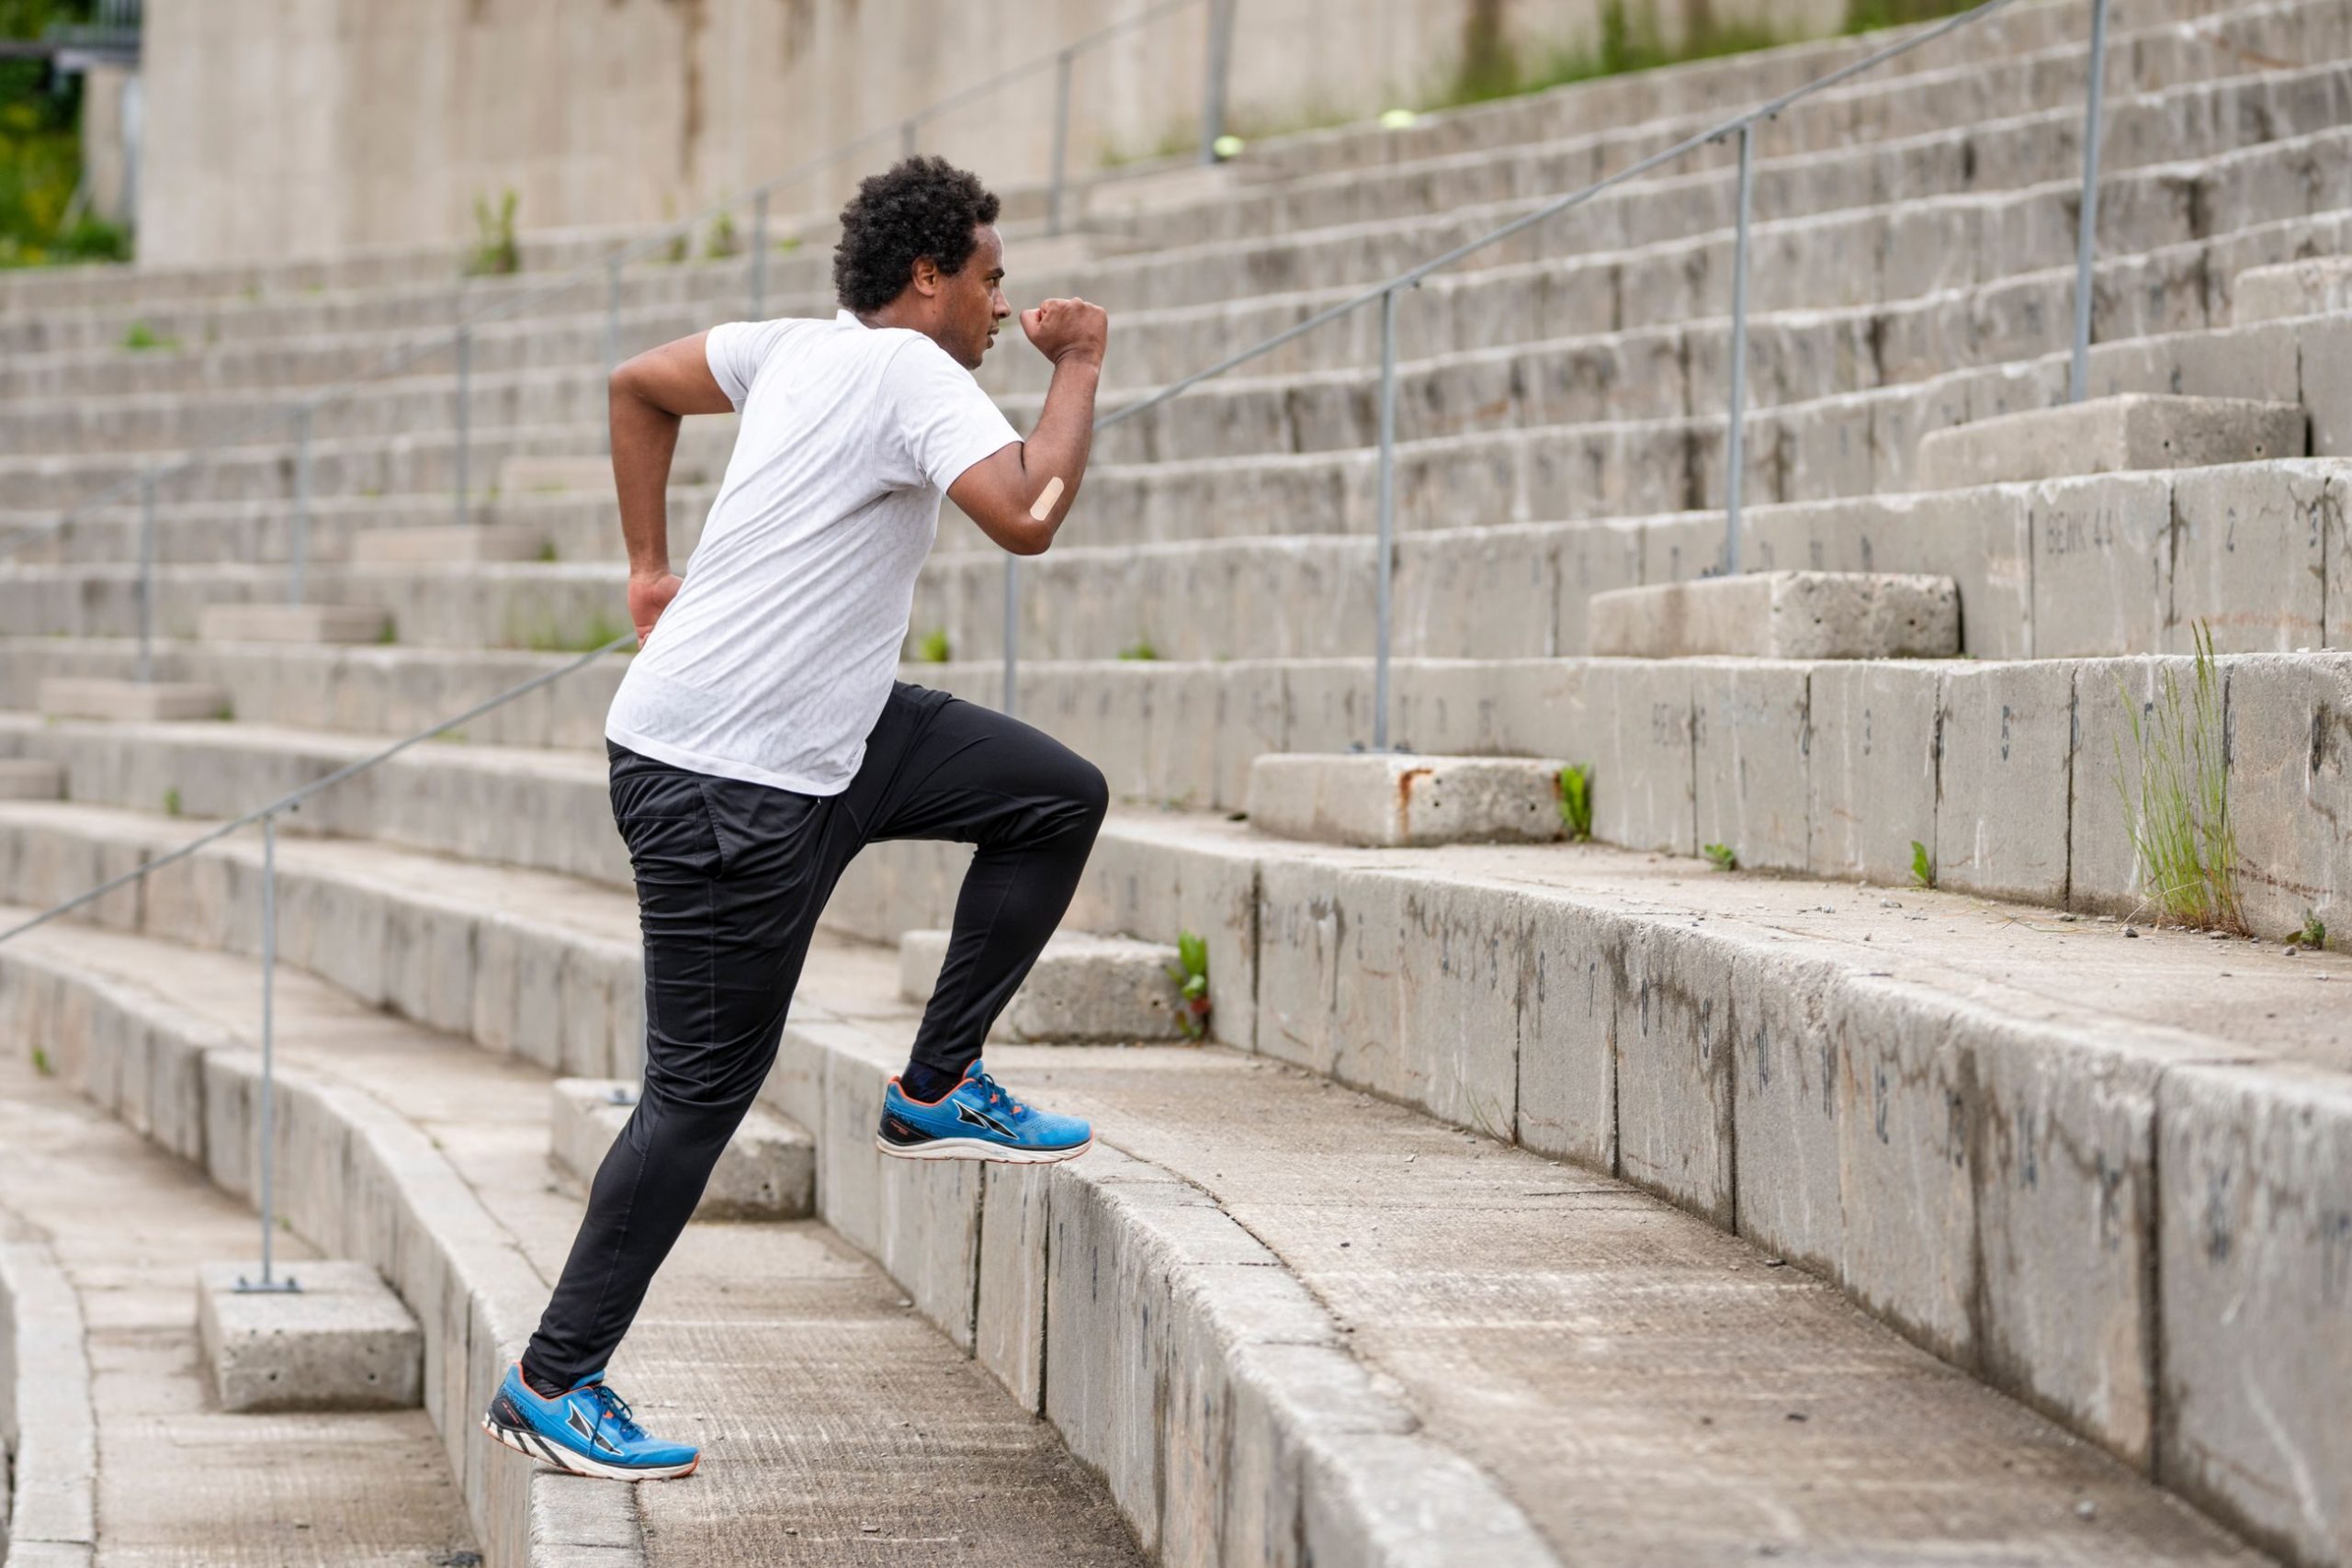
(1028, 538)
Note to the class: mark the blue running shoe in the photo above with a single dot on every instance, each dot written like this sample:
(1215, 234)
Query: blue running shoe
(977, 1120)
(588, 1432)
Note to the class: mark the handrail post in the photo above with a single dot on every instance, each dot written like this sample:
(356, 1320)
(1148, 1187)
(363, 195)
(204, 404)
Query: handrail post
(612, 329)
(1383, 587)
(1214, 70)
(759, 255)
(1736, 444)
(267, 1155)
(2078, 378)
(1061, 144)
(146, 579)
(465, 410)
(298, 544)
(1012, 627)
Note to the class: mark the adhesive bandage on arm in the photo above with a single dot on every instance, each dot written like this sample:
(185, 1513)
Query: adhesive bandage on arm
(1045, 498)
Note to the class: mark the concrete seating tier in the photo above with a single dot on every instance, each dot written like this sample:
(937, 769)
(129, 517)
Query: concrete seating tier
(1815, 1186)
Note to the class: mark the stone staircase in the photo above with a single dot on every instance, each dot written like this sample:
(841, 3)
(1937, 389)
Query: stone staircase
(1530, 1202)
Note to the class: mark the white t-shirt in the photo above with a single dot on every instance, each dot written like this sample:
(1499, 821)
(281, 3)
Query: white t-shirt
(775, 657)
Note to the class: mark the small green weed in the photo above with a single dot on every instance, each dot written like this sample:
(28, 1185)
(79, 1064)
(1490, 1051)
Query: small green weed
(1576, 801)
(42, 1064)
(1923, 865)
(141, 337)
(1191, 973)
(2181, 822)
(931, 647)
(1720, 856)
(601, 629)
(497, 252)
(2313, 934)
(171, 801)
(546, 549)
(1140, 650)
(389, 634)
(723, 241)
(679, 250)
(449, 737)
(225, 712)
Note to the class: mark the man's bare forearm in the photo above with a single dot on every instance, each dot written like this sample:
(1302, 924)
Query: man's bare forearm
(1057, 448)
(645, 439)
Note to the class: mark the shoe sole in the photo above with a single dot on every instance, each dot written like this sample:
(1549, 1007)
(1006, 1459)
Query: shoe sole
(531, 1445)
(977, 1149)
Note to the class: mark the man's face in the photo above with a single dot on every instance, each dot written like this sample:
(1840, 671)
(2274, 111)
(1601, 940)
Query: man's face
(972, 300)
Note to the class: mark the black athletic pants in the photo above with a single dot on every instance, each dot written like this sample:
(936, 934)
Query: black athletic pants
(731, 878)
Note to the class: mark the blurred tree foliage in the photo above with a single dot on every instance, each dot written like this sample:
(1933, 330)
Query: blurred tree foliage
(41, 149)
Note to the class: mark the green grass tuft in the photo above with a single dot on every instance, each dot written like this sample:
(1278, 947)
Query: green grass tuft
(1720, 856)
(931, 647)
(2313, 934)
(1576, 801)
(141, 337)
(2181, 831)
(1140, 650)
(171, 801)
(1191, 973)
(42, 1064)
(1923, 865)
(496, 253)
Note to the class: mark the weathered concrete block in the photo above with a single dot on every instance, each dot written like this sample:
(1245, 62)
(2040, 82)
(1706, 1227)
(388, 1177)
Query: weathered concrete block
(1751, 761)
(2250, 552)
(291, 623)
(1905, 1111)
(129, 702)
(1642, 789)
(768, 1170)
(2290, 747)
(2256, 1265)
(1781, 615)
(343, 1342)
(1787, 1069)
(2102, 435)
(2317, 286)
(30, 778)
(1387, 800)
(1870, 771)
(1568, 1082)
(2006, 749)
(448, 545)
(1673, 1037)
(1084, 989)
(2102, 565)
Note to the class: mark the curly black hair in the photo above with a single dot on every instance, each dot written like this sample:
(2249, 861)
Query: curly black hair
(923, 207)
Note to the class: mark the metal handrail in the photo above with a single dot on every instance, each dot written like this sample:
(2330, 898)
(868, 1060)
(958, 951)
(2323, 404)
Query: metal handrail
(297, 411)
(1742, 125)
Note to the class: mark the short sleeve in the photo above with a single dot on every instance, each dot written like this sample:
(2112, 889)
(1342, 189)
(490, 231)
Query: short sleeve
(737, 349)
(947, 421)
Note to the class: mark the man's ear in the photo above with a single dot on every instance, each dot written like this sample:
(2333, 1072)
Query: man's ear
(926, 279)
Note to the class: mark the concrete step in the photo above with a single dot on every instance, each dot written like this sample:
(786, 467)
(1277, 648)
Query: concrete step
(1085, 989)
(117, 1435)
(1781, 615)
(292, 622)
(768, 1170)
(2320, 286)
(131, 701)
(418, 462)
(840, 1047)
(21, 779)
(2105, 435)
(472, 544)
(421, 1133)
(2011, 774)
(1394, 799)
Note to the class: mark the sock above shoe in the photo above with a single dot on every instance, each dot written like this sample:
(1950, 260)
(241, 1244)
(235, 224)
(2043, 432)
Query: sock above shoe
(926, 1084)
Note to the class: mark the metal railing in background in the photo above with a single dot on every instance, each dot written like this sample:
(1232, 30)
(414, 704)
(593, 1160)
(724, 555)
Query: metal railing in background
(266, 817)
(298, 416)
(1743, 126)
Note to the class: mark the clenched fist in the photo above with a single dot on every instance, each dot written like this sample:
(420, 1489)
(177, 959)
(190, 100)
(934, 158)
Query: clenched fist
(1065, 329)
